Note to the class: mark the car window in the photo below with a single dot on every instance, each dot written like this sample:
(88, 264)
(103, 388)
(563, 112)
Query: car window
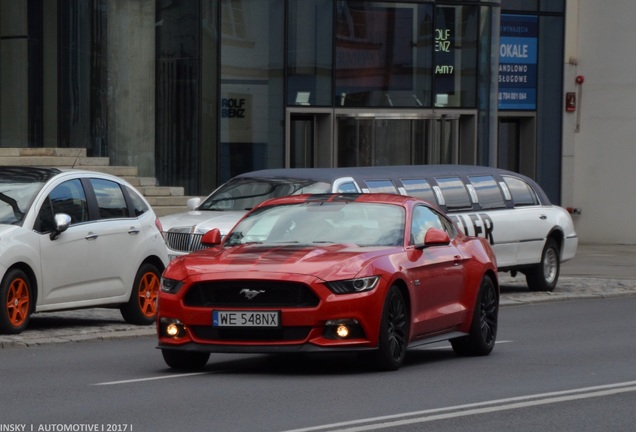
(455, 193)
(488, 192)
(522, 193)
(424, 219)
(69, 198)
(381, 186)
(419, 188)
(139, 205)
(348, 187)
(110, 199)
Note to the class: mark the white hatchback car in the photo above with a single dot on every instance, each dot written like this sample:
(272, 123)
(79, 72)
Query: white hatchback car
(74, 239)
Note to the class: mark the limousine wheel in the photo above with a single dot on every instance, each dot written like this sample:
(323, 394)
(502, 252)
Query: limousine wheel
(185, 360)
(544, 276)
(483, 330)
(15, 294)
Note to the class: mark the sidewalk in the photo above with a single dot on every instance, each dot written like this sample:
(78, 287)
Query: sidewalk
(597, 271)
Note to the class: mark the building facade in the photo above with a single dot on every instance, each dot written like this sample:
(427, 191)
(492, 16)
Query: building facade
(193, 92)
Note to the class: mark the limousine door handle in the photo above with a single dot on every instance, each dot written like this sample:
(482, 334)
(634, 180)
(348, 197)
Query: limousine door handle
(133, 231)
(543, 217)
(91, 236)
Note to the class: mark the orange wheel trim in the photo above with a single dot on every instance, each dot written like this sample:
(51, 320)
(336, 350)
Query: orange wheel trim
(18, 302)
(148, 291)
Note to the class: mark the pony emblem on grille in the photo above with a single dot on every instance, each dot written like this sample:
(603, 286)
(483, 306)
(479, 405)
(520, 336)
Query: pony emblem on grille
(250, 294)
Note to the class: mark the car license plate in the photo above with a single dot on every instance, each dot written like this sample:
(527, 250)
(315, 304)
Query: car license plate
(245, 318)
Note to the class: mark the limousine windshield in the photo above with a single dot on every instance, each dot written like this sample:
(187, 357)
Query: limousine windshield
(246, 193)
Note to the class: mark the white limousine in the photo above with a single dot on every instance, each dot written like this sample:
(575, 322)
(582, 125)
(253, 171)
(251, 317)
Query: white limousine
(528, 233)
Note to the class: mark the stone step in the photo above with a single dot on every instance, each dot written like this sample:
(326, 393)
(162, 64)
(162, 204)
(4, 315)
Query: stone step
(169, 201)
(164, 200)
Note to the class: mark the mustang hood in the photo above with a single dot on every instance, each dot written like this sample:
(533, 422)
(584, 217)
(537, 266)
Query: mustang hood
(332, 262)
(201, 222)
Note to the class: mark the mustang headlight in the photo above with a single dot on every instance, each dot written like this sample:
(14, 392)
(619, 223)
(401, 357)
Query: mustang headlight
(170, 285)
(353, 285)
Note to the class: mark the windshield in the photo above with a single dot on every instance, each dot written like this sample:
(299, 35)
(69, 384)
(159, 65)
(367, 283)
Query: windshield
(247, 193)
(365, 224)
(15, 199)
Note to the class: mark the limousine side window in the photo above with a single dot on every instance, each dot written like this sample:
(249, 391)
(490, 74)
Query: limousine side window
(455, 194)
(488, 192)
(381, 186)
(522, 193)
(419, 188)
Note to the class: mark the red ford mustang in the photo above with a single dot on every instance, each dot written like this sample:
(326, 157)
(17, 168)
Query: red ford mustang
(374, 273)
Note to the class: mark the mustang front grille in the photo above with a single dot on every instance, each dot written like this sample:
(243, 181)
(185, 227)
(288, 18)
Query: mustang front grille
(250, 294)
(183, 241)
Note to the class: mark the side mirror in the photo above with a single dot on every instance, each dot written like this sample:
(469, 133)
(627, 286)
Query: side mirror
(211, 238)
(62, 222)
(193, 203)
(436, 237)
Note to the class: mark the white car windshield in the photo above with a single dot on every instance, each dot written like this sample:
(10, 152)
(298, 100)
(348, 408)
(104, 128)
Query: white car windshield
(16, 196)
(247, 193)
(364, 224)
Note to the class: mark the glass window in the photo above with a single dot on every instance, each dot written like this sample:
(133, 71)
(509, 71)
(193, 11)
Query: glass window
(139, 204)
(419, 188)
(522, 193)
(68, 198)
(110, 199)
(309, 52)
(488, 192)
(520, 5)
(423, 219)
(455, 56)
(454, 192)
(381, 186)
(383, 54)
(251, 123)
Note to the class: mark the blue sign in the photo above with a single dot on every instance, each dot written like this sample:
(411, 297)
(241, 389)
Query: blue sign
(518, 62)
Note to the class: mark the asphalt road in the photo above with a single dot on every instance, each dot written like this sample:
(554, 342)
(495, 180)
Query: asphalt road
(568, 365)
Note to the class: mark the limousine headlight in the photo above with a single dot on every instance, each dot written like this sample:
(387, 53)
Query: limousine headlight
(353, 285)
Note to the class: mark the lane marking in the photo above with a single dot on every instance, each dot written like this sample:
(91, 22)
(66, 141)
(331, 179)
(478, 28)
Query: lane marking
(131, 381)
(475, 408)
(138, 380)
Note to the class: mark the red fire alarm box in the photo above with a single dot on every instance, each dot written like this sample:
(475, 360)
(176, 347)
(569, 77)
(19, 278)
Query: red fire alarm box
(570, 102)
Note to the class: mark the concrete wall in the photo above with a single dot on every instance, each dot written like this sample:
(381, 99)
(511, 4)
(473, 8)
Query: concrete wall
(599, 139)
(131, 76)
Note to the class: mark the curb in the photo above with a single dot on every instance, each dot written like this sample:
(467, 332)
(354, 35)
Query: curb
(99, 324)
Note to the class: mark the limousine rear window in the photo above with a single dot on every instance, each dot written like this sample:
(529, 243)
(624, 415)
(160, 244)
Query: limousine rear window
(522, 192)
(419, 188)
(488, 192)
(455, 193)
(246, 193)
(381, 186)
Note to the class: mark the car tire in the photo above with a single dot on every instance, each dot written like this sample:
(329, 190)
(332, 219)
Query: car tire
(141, 308)
(16, 297)
(481, 339)
(185, 360)
(394, 332)
(545, 275)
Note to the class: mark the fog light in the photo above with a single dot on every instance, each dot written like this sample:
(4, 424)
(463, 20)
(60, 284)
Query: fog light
(173, 328)
(343, 329)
